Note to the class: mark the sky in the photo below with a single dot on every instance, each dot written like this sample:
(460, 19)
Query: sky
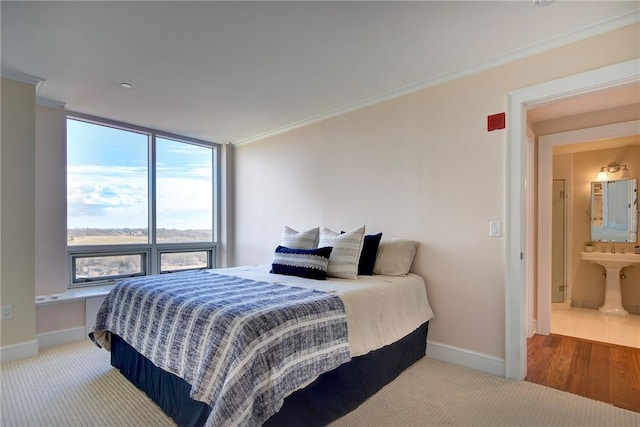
(107, 180)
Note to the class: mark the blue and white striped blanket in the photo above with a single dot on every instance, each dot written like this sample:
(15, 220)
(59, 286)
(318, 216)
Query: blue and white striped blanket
(242, 345)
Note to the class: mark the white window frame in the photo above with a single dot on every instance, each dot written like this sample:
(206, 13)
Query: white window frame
(151, 251)
(91, 251)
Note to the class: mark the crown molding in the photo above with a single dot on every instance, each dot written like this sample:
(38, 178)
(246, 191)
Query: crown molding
(38, 82)
(44, 102)
(591, 31)
(21, 77)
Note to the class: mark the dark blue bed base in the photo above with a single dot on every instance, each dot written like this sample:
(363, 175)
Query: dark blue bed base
(332, 395)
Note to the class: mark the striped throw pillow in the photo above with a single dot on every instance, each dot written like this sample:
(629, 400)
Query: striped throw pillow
(343, 262)
(308, 263)
(300, 240)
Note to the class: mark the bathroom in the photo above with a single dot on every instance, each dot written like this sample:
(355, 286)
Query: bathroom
(578, 286)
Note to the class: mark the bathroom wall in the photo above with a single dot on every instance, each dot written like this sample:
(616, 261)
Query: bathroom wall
(587, 281)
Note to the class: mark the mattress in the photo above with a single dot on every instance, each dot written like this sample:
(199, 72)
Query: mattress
(380, 309)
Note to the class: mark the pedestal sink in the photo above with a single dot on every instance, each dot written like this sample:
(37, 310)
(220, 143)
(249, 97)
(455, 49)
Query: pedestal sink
(613, 263)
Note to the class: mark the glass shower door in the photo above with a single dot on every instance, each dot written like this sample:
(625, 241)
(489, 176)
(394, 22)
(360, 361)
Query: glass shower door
(558, 243)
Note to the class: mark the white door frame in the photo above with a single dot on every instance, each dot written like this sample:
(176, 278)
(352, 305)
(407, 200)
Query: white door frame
(517, 261)
(529, 220)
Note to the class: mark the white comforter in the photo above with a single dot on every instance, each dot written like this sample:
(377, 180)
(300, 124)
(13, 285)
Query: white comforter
(380, 309)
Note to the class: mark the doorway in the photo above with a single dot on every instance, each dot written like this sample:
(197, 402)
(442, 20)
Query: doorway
(583, 320)
(518, 304)
(544, 236)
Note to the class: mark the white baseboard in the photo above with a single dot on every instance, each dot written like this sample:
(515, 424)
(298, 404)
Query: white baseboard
(63, 336)
(19, 351)
(44, 340)
(447, 353)
(534, 326)
(467, 358)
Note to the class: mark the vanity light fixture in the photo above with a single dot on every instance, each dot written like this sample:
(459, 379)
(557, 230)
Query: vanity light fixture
(624, 173)
(602, 175)
(612, 168)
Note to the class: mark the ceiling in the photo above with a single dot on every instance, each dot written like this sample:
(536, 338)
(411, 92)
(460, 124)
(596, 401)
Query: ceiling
(593, 101)
(604, 144)
(596, 101)
(236, 71)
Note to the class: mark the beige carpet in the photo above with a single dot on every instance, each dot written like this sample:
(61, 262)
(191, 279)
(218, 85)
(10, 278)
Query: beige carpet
(74, 385)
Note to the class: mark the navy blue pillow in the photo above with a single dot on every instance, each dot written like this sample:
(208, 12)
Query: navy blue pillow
(368, 254)
(308, 263)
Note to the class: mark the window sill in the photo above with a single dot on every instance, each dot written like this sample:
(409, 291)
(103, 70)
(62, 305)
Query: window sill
(71, 295)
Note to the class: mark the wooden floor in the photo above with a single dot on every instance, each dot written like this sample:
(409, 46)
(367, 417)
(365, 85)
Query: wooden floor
(600, 371)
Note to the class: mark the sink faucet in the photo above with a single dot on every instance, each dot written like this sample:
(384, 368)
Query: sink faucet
(613, 249)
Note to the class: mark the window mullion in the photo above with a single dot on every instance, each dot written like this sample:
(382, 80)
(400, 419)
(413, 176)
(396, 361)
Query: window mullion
(217, 191)
(154, 258)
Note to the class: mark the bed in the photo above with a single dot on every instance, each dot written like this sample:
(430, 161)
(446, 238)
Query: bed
(310, 352)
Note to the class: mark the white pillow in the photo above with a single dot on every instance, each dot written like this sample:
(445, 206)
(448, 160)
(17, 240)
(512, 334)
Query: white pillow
(395, 257)
(304, 240)
(343, 262)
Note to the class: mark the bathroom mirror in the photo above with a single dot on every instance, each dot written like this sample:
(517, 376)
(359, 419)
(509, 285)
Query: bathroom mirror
(614, 211)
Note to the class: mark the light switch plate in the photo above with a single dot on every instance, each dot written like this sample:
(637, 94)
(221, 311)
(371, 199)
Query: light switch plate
(7, 312)
(495, 228)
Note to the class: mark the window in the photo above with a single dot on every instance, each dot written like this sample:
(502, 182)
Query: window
(89, 267)
(107, 185)
(176, 261)
(184, 180)
(138, 201)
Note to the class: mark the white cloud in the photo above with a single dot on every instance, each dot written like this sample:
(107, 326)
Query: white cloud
(184, 203)
(106, 197)
(116, 197)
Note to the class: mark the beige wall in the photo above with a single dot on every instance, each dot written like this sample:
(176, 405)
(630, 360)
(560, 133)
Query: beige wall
(51, 237)
(17, 274)
(420, 166)
(51, 196)
(60, 316)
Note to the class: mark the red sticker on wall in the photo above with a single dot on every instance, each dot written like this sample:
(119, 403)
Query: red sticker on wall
(496, 121)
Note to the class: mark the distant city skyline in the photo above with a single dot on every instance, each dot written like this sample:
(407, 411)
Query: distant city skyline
(107, 180)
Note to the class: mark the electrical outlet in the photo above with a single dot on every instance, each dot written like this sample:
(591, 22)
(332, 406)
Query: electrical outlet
(7, 312)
